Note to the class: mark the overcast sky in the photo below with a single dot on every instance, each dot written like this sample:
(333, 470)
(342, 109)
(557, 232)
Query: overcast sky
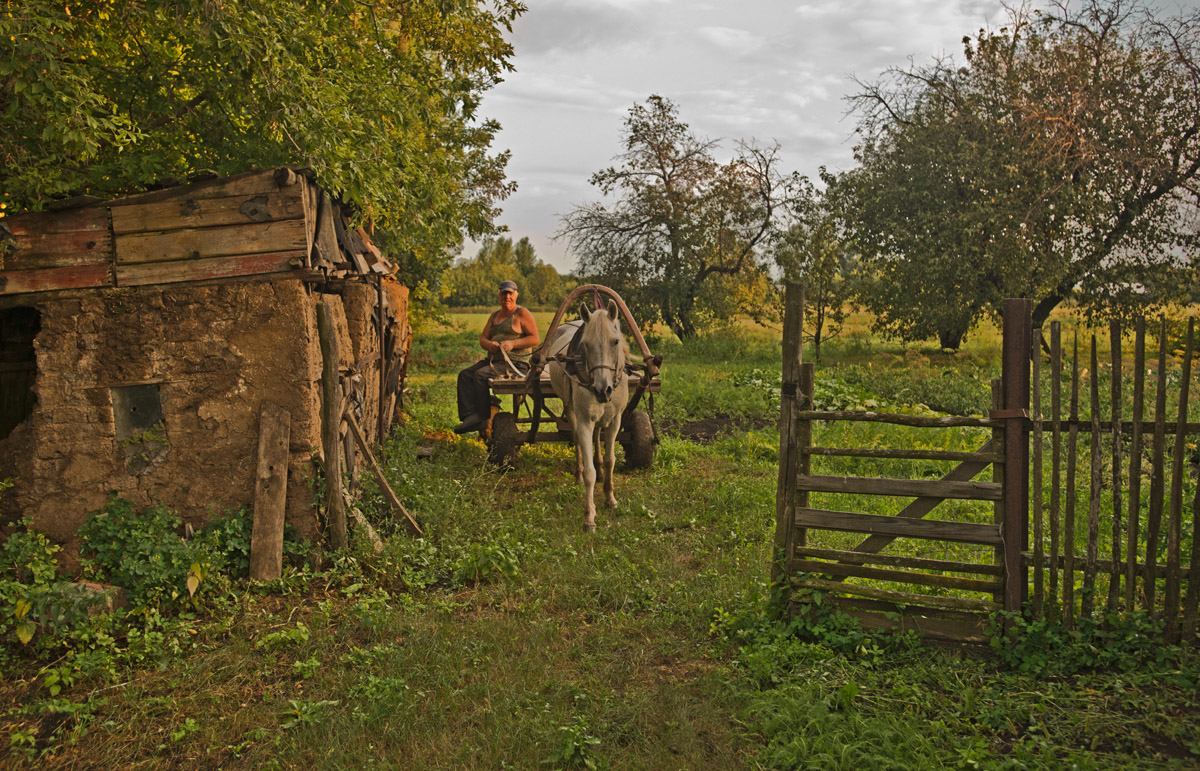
(763, 69)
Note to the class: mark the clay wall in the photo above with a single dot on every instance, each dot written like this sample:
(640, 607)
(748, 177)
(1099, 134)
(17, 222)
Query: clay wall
(214, 354)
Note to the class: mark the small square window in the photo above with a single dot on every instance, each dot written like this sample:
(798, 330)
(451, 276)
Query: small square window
(141, 432)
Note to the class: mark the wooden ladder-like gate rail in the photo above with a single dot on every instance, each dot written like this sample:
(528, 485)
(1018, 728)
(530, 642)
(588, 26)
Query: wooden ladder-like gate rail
(797, 565)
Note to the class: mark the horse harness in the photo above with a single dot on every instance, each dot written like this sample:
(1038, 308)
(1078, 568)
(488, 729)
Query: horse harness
(576, 366)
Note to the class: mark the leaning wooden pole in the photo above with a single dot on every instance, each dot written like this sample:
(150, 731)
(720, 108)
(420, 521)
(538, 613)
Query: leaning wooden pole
(331, 419)
(789, 436)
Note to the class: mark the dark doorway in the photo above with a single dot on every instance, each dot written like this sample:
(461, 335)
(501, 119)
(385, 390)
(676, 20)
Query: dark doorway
(18, 365)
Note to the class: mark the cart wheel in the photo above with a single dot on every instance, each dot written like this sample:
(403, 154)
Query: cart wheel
(502, 447)
(639, 441)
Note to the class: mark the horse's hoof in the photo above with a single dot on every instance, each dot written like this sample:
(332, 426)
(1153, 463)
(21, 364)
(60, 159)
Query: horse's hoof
(611, 503)
(589, 527)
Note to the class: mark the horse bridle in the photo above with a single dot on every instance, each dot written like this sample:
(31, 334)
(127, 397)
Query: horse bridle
(575, 361)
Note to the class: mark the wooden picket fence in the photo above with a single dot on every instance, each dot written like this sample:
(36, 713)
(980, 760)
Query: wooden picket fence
(1129, 517)
(1129, 549)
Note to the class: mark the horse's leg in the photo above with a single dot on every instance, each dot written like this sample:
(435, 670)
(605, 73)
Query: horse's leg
(610, 461)
(587, 468)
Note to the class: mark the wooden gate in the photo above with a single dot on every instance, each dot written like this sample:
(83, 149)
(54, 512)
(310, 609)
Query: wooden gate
(854, 572)
(1126, 491)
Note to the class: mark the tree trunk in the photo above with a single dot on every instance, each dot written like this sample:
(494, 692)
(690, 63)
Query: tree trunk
(951, 338)
(818, 328)
(1044, 308)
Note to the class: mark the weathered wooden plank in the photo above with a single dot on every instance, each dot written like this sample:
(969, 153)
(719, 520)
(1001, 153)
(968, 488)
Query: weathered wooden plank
(1095, 490)
(899, 527)
(1069, 518)
(89, 219)
(270, 492)
(1114, 575)
(916, 421)
(861, 558)
(1135, 463)
(14, 282)
(930, 623)
(209, 268)
(900, 598)
(55, 250)
(250, 183)
(902, 454)
(199, 243)
(189, 212)
(921, 506)
(899, 576)
(331, 418)
(1175, 522)
(325, 241)
(931, 488)
(1157, 465)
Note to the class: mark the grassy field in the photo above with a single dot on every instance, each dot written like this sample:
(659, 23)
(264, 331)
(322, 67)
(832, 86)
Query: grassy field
(509, 638)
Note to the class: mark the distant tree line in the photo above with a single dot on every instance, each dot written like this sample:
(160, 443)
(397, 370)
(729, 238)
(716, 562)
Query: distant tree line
(1060, 161)
(475, 281)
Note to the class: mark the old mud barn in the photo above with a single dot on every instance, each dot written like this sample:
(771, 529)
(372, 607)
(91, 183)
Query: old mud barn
(143, 342)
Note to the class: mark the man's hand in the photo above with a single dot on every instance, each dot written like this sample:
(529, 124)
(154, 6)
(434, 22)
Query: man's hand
(505, 345)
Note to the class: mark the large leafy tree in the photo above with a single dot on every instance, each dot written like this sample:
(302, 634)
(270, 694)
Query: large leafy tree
(380, 99)
(677, 217)
(1060, 161)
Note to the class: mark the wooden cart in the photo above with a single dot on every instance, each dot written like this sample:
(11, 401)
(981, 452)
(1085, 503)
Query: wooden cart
(536, 413)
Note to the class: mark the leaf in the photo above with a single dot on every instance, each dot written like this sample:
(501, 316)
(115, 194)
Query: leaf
(25, 632)
(193, 578)
(22, 609)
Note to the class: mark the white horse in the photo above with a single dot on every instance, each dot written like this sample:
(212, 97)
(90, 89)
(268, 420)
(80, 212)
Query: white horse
(587, 371)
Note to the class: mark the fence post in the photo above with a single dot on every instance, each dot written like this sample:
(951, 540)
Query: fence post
(789, 439)
(1015, 527)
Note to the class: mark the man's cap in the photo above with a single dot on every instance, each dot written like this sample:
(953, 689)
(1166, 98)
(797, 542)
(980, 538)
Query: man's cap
(508, 286)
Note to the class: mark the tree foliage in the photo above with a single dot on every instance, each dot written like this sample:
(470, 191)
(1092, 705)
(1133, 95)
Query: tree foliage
(474, 281)
(380, 99)
(1060, 161)
(678, 218)
(814, 252)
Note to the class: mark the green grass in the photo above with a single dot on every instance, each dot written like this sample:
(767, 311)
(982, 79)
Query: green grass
(509, 638)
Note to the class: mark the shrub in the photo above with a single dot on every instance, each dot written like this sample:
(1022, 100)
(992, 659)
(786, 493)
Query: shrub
(142, 552)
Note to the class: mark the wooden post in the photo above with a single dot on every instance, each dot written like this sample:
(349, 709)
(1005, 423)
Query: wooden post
(1114, 573)
(1017, 334)
(1157, 461)
(1069, 516)
(789, 436)
(331, 418)
(270, 492)
(1055, 461)
(1175, 522)
(1095, 489)
(1135, 464)
(1039, 556)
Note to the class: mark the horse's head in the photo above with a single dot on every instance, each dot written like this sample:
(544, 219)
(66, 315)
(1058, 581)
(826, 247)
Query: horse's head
(603, 347)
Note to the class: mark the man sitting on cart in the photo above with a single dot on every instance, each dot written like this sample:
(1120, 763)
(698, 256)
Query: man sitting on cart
(510, 329)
